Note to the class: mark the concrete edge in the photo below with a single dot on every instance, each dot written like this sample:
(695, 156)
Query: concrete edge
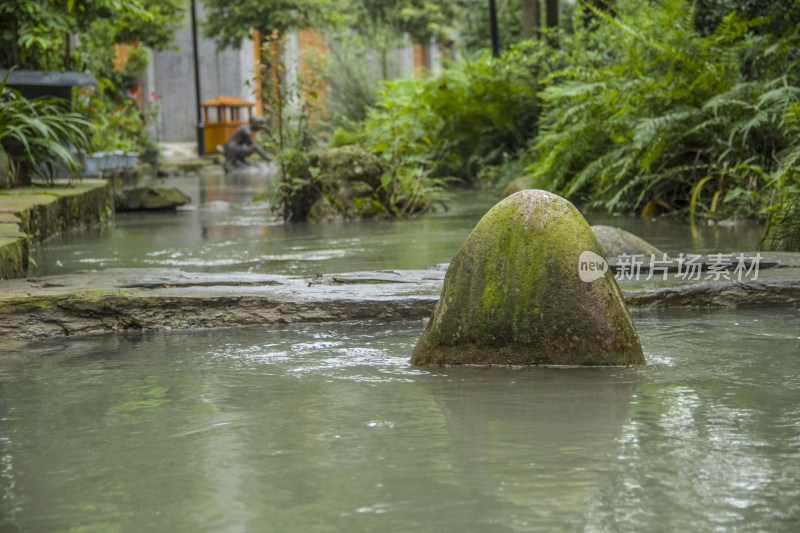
(90, 202)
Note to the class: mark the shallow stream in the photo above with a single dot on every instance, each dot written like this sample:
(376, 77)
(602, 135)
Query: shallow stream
(328, 428)
(223, 231)
(316, 428)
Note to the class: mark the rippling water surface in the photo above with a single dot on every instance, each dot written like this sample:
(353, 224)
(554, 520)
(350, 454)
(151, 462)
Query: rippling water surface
(224, 231)
(328, 428)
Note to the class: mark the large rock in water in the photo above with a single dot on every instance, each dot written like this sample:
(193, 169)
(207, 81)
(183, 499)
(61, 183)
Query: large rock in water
(616, 242)
(513, 294)
(143, 198)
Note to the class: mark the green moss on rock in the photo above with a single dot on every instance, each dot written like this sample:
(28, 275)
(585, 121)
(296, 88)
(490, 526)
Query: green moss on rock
(349, 164)
(13, 250)
(13, 257)
(45, 211)
(513, 295)
(351, 184)
(148, 198)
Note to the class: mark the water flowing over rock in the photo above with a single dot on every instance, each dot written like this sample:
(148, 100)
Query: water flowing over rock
(513, 294)
(616, 242)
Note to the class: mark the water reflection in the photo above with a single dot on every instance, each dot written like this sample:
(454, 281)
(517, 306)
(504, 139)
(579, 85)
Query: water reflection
(675, 236)
(328, 428)
(535, 442)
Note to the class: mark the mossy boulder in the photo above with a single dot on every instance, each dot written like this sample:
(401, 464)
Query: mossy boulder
(350, 164)
(351, 184)
(146, 198)
(617, 241)
(513, 294)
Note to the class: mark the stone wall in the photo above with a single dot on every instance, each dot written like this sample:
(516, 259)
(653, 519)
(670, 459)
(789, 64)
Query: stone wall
(34, 213)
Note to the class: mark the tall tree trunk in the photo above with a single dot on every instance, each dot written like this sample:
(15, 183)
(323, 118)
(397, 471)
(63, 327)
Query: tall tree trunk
(552, 13)
(67, 51)
(590, 20)
(14, 53)
(493, 29)
(529, 19)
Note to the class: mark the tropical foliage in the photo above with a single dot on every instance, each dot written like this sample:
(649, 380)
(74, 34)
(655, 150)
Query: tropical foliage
(81, 35)
(39, 34)
(421, 20)
(476, 113)
(646, 107)
(117, 124)
(672, 121)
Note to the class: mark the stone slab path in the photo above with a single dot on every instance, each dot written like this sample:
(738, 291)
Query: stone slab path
(133, 299)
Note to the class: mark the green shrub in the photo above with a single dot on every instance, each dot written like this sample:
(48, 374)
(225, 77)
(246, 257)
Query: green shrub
(475, 113)
(116, 125)
(670, 120)
(352, 80)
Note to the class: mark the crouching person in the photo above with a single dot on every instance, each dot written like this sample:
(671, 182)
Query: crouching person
(242, 143)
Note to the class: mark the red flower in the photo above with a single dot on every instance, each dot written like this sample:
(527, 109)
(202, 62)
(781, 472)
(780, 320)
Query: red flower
(154, 96)
(131, 92)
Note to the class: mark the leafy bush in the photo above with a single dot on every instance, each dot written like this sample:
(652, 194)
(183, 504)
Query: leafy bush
(36, 33)
(38, 137)
(352, 80)
(670, 120)
(473, 114)
(115, 125)
(290, 107)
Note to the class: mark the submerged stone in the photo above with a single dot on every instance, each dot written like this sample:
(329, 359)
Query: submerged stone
(517, 185)
(513, 294)
(144, 198)
(617, 241)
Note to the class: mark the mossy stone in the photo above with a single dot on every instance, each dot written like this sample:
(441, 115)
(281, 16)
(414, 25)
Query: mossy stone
(517, 185)
(351, 184)
(145, 198)
(13, 257)
(617, 241)
(513, 295)
(349, 164)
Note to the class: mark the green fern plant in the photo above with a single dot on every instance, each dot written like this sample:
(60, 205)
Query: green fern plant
(783, 228)
(671, 120)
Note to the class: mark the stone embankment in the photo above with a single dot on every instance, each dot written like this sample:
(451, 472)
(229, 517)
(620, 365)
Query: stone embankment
(118, 300)
(34, 213)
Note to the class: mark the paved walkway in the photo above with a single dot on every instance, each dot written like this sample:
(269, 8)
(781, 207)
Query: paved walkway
(178, 152)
